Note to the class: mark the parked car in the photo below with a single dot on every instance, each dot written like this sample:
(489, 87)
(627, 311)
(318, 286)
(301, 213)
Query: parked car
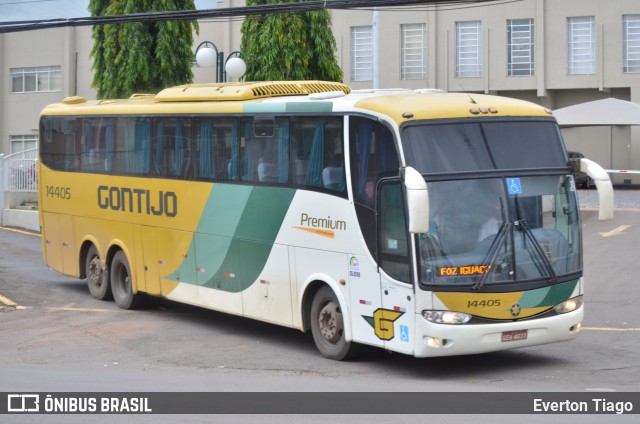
(581, 178)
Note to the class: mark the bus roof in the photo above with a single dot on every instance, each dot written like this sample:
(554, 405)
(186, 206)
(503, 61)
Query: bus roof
(401, 105)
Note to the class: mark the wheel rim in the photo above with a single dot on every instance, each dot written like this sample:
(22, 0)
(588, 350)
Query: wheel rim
(94, 271)
(330, 323)
(121, 280)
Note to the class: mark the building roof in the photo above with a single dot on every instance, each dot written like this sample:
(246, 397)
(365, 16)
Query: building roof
(609, 111)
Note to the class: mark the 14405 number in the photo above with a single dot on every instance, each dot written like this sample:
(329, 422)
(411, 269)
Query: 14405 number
(59, 192)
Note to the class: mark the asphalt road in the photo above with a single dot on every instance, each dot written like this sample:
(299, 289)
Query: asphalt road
(54, 337)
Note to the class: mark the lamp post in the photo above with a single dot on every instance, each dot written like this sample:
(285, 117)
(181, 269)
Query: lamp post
(208, 55)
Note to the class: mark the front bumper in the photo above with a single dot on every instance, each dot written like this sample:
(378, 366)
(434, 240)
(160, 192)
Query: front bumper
(481, 338)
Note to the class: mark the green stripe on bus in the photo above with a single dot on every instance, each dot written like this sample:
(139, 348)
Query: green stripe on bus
(310, 107)
(559, 293)
(235, 236)
(548, 296)
(223, 209)
(249, 250)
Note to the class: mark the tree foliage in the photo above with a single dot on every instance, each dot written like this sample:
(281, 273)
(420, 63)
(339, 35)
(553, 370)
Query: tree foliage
(140, 57)
(289, 46)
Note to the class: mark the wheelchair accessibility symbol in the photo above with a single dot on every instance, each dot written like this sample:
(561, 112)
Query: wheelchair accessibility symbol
(404, 333)
(514, 185)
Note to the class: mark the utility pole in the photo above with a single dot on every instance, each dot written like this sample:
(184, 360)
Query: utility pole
(376, 48)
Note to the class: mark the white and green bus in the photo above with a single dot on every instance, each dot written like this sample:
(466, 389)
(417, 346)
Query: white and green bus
(422, 222)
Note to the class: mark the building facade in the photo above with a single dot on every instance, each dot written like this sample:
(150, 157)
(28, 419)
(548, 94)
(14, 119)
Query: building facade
(555, 53)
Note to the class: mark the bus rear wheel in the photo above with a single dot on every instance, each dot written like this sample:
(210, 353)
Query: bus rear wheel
(97, 279)
(121, 284)
(327, 326)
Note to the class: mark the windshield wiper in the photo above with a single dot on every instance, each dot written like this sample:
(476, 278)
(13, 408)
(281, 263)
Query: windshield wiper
(492, 254)
(540, 253)
(522, 223)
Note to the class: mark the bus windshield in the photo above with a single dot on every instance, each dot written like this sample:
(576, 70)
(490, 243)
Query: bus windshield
(501, 230)
(453, 146)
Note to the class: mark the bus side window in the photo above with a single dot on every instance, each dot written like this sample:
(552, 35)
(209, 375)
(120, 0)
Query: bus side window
(226, 149)
(204, 141)
(133, 146)
(273, 162)
(394, 256)
(170, 149)
(267, 167)
(373, 156)
(216, 149)
(97, 144)
(318, 154)
(249, 152)
(333, 173)
(59, 147)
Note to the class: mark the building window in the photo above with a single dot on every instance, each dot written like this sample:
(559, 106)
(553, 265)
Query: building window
(20, 143)
(468, 49)
(631, 31)
(520, 48)
(412, 60)
(581, 36)
(361, 53)
(43, 78)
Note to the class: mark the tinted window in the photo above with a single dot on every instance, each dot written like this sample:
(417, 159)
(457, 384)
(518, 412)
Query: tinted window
(318, 153)
(305, 151)
(265, 150)
(481, 146)
(373, 156)
(59, 141)
(394, 247)
(97, 144)
(170, 153)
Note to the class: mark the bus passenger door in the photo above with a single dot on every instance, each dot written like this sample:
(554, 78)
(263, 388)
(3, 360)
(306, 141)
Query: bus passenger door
(395, 320)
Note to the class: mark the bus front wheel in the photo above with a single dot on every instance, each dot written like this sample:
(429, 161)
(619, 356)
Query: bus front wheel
(97, 279)
(121, 284)
(327, 326)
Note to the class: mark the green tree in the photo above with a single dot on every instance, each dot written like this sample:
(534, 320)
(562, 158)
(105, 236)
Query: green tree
(140, 57)
(289, 46)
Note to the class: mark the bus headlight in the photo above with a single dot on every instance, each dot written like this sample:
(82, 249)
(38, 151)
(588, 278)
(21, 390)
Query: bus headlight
(446, 317)
(569, 305)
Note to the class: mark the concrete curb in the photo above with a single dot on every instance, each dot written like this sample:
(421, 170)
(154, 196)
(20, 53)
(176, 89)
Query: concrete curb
(24, 219)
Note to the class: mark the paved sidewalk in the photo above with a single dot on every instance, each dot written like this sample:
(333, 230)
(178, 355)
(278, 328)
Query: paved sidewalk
(622, 199)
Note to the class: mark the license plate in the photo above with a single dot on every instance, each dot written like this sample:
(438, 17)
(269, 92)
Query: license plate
(513, 336)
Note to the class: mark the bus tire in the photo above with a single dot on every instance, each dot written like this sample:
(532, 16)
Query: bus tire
(97, 278)
(327, 326)
(121, 284)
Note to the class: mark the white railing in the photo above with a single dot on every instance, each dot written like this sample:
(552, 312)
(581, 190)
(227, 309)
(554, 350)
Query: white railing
(20, 171)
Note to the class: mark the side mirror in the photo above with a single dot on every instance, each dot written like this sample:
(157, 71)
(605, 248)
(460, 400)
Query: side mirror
(417, 201)
(604, 186)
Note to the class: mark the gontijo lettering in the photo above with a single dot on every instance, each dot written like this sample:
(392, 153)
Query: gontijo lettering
(137, 200)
